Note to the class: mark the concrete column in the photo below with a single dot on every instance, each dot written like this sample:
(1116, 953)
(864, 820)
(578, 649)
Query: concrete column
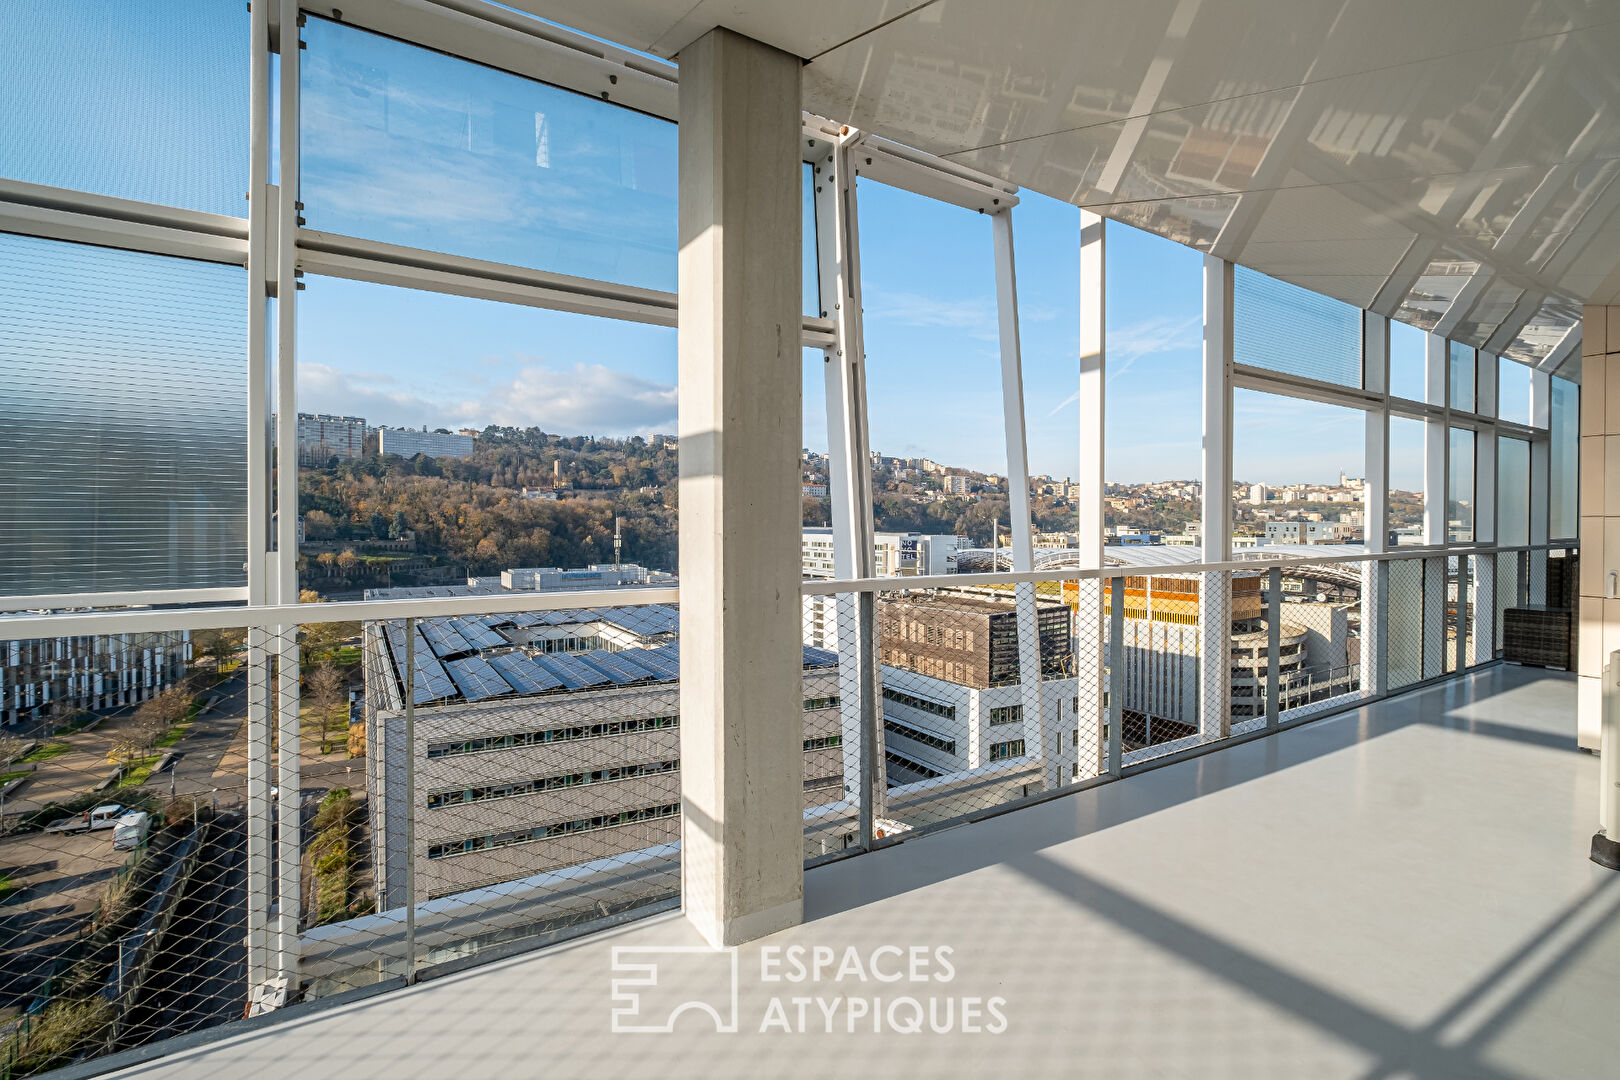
(1599, 714)
(742, 766)
(1214, 589)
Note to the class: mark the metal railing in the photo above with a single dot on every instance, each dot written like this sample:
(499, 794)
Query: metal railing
(321, 800)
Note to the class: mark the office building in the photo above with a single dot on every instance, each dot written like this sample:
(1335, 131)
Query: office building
(55, 677)
(543, 741)
(595, 576)
(408, 443)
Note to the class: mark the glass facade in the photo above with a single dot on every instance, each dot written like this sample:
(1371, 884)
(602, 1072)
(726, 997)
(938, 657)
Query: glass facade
(1563, 491)
(1460, 488)
(1285, 328)
(1512, 391)
(1461, 359)
(411, 146)
(138, 101)
(1408, 361)
(1512, 492)
(478, 402)
(123, 420)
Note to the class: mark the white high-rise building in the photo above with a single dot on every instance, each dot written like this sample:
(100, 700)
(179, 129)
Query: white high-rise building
(408, 442)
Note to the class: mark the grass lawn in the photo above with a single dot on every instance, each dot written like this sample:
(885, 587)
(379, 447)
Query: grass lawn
(309, 727)
(7, 886)
(139, 771)
(47, 752)
(176, 733)
(348, 655)
(16, 774)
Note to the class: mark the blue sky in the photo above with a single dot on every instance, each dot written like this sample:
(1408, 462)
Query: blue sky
(409, 146)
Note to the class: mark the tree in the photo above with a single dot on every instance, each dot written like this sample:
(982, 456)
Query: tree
(397, 528)
(327, 688)
(219, 645)
(318, 525)
(378, 524)
(163, 711)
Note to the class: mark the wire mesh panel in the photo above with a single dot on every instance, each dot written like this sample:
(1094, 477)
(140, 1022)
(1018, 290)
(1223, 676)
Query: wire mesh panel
(979, 696)
(124, 847)
(839, 692)
(1404, 626)
(1160, 654)
(525, 786)
(1321, 640)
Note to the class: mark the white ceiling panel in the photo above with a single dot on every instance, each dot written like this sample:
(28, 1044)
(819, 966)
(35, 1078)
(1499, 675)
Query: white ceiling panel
(1452, 162)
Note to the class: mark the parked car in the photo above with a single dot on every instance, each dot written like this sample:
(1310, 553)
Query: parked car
(130, 831)
(95, 819)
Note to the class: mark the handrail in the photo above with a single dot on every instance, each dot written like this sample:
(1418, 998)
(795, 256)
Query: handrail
(145, 620)
(20, 627)
(829, 587)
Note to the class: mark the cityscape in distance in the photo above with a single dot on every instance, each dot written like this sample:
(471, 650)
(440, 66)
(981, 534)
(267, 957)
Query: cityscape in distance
(385, 506)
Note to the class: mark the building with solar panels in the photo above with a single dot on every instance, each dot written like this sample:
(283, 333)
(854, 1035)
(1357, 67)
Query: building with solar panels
(543, 741)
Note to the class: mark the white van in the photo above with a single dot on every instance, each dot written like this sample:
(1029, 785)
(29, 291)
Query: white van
(130, 832)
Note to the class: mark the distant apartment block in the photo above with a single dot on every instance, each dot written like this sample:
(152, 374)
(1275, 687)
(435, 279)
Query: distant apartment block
(408, 443)
(322, 437)
(956, 485)
(88, 672)
(814, 491)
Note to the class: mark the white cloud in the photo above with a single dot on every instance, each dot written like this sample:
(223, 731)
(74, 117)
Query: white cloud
(1128, 344)
(583, 399)
(977, 316)
(586, 399)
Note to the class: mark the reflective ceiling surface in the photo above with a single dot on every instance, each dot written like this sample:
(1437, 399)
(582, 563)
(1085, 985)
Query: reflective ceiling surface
(1451, 163)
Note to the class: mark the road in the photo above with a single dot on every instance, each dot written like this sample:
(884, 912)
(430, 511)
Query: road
(200, 978)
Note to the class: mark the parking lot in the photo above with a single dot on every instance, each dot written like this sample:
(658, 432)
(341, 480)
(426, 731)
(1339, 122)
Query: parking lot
(57, 879)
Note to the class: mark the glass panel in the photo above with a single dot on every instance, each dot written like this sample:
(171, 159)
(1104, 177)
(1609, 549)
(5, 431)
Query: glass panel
(810, 266)
(933, 372)
(1299, 464)
(1512, 492)
(1460, 499)
(139, 101)
(1286, 328)
(409, 146)
(1512, 391)
(815, 474)
(123, 420)
(1462, 377)
(464, 438)
(1406, 456)
(1408, 363)
(1565, 454)
(1155, 317)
